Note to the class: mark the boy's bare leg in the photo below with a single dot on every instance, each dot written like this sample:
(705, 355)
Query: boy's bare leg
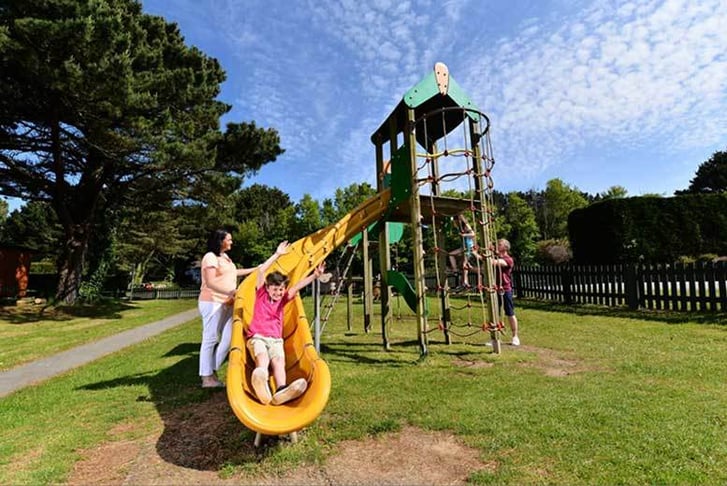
(279, 371)
(284, 392)
(260, 378)
(262, 361)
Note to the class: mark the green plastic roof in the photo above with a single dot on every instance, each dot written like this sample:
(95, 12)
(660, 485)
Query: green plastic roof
(424, 98)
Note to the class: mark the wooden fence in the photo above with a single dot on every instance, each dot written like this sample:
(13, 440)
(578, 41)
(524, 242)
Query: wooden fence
(680, 287)
(162, 294)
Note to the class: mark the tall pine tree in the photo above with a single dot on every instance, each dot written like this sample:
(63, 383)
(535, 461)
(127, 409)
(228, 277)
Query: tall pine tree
(103, 106)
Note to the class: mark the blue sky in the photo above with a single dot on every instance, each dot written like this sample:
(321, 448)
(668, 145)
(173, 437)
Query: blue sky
(596, 93)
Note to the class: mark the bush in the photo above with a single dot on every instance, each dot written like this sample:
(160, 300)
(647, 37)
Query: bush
(553, 252)
(707, 257)
(165, 285)
(686, 259)
(649, 229)
(44, 265)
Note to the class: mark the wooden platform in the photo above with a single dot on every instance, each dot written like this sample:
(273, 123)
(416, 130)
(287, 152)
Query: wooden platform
(443, 206)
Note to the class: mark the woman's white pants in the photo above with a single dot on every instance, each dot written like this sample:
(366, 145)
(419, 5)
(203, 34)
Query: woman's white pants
(216, 331)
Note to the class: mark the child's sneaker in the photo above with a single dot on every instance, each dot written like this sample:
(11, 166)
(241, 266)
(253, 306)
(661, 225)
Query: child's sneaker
(290, 392)
(515, 341)
(261, 385)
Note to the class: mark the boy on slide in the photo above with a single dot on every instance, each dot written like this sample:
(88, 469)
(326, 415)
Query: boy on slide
(265, 334)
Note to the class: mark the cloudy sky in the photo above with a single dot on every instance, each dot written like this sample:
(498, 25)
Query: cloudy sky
(596, 93)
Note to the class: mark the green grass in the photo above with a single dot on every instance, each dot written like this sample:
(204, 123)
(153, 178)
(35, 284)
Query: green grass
(30, 332)
(592, 397)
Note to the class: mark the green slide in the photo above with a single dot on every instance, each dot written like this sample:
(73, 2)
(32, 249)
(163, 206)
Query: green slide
(399, 281)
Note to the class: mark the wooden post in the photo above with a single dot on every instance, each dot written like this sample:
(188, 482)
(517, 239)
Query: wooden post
(441, 256)
(131, 285)
(349, 304)
(721, 277)
(631, 285)
(491, 300)
(566, 279)
(368, 282)
(293, 436)
(418, 240)
(384, 250)
(317, 314)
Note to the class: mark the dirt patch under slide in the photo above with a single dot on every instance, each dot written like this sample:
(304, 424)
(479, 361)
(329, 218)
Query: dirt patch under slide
(410, 456)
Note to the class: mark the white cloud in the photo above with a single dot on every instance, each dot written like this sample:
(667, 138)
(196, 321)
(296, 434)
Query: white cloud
(629, 74)
(558, 78)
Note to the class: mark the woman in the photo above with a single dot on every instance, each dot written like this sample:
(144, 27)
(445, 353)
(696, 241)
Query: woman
(216, 296)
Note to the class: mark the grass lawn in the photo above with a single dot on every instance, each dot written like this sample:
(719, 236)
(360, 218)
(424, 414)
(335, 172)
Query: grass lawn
(30, 332)
(591, 397)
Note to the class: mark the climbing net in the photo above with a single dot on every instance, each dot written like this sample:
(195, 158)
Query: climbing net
(474, 164)
(328, 300)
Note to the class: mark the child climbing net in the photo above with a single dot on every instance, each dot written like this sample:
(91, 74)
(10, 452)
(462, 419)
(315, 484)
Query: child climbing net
(478, 164)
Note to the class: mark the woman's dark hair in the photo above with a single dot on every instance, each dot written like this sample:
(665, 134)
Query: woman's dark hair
(214, 244)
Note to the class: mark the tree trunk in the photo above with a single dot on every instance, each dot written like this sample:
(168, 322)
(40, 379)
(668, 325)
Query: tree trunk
(71, 264)
(75, 210)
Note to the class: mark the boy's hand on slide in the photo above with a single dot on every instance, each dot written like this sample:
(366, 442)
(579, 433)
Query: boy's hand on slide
(283, 248)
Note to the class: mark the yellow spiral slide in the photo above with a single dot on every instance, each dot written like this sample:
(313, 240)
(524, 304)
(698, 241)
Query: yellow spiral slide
(301, 358)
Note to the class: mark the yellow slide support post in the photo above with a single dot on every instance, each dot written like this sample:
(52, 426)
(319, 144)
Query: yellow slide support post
(301, 358)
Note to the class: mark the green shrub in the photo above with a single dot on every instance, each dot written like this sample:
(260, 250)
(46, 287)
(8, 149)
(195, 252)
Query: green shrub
(649, 229)
(707, 257)
(553, 252)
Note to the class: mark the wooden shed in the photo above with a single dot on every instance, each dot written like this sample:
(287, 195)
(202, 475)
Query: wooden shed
(14, 270)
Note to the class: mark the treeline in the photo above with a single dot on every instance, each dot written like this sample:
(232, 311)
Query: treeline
(163, 244)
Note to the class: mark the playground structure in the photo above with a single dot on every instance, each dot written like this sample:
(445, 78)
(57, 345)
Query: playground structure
(427, 115)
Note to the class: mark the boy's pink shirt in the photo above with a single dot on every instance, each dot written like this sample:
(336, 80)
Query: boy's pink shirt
(267, 317)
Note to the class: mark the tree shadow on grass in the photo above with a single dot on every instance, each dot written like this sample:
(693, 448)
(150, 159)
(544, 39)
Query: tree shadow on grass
(669, 317)
(32, 313)
(201, 431)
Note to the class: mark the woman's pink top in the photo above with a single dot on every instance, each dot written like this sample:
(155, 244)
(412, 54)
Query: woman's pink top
(225, 277)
